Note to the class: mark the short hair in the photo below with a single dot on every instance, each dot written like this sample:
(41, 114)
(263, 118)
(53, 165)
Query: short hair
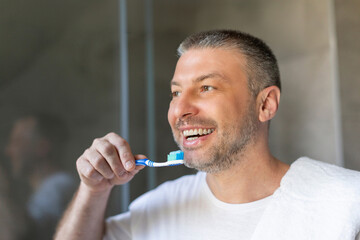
(261, 65)
(53, 129)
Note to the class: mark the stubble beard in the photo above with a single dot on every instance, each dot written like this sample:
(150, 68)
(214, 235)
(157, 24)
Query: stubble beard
(230, 146)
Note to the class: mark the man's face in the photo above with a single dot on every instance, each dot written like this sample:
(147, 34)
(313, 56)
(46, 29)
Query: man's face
(21, 147)
(212, 114)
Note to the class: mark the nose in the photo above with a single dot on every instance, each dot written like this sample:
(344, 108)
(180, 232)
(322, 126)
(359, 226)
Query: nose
(183, 106)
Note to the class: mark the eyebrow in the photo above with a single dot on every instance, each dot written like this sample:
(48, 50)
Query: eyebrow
(202, 78)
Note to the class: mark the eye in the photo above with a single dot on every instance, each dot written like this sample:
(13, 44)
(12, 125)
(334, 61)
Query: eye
(207, 88)
(175, 94)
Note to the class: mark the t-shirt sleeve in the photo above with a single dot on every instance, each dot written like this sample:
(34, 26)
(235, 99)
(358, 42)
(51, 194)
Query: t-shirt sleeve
(118, 227)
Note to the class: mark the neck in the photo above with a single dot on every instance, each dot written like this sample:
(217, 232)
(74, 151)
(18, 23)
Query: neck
(256, 175)
(39, 175)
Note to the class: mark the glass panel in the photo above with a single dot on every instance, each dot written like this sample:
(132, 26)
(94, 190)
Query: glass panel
(58, 91)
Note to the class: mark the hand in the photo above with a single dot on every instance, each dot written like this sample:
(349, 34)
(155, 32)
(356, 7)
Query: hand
(108, 162)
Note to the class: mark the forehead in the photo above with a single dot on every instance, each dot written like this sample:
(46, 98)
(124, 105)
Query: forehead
(194, 63)
(24, 127)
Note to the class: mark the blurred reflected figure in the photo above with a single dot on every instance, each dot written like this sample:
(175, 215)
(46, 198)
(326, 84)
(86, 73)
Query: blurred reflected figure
(35, 149)
(8, 215)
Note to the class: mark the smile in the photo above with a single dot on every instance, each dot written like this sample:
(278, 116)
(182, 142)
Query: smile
(193, 134)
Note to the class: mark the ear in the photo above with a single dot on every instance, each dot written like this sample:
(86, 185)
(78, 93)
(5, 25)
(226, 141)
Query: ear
(268, 102)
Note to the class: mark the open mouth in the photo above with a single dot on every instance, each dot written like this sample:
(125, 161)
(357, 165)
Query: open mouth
(194, 134)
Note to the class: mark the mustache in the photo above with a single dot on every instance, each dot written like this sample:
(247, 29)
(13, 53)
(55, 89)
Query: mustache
(194, 120)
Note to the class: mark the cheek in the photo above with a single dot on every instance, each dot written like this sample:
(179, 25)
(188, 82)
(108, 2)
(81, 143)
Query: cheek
(170, 116)
(227, 113)
(221, 109)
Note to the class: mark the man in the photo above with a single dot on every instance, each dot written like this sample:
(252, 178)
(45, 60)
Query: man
(40, 186)
(226, 89)
(8, 213)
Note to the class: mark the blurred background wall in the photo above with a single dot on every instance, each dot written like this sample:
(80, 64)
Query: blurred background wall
(63, 59)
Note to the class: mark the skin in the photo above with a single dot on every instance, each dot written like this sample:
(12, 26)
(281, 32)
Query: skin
(22, 146)
(211, 84)
(210, 91)
(29, 153)
(107, 162)
(200, 87)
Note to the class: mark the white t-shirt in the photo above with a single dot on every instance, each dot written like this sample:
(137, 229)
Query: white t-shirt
(50, 200)
(315, 200)
(196, 214)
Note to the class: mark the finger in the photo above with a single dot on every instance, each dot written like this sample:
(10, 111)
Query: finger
(122, 146)
(109, 152)
(87, 172)
(139, 156)
(128, 174)
(125, 176)
(98, 162)
(139, 167)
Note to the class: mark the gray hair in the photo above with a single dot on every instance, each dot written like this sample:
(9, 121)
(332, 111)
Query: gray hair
(261, 65)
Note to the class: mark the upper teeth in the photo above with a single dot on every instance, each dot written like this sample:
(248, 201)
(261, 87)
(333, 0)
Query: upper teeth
(199, 131)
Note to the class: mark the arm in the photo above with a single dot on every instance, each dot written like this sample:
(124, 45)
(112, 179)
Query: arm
(84, 218)
(108, 162)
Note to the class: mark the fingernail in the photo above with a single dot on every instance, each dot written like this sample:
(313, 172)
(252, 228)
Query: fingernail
(128, 165)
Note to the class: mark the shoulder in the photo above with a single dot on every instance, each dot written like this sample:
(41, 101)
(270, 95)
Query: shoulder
(313, 179)
(61, 178)
(57, 184)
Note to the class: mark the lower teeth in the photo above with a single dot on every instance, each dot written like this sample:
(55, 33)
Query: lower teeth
(192, 138)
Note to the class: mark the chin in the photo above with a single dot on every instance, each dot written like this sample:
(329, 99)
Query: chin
(198, 164)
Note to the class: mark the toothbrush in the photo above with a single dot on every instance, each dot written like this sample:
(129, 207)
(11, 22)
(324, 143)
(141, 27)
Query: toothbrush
(174, 158)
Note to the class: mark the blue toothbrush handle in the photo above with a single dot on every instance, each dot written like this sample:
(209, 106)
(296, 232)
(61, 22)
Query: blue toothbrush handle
(141, 162)
(149, 163)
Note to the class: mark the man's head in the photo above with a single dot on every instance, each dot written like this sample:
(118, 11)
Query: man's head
(225, 88)
(36, 140)
(260, 63)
